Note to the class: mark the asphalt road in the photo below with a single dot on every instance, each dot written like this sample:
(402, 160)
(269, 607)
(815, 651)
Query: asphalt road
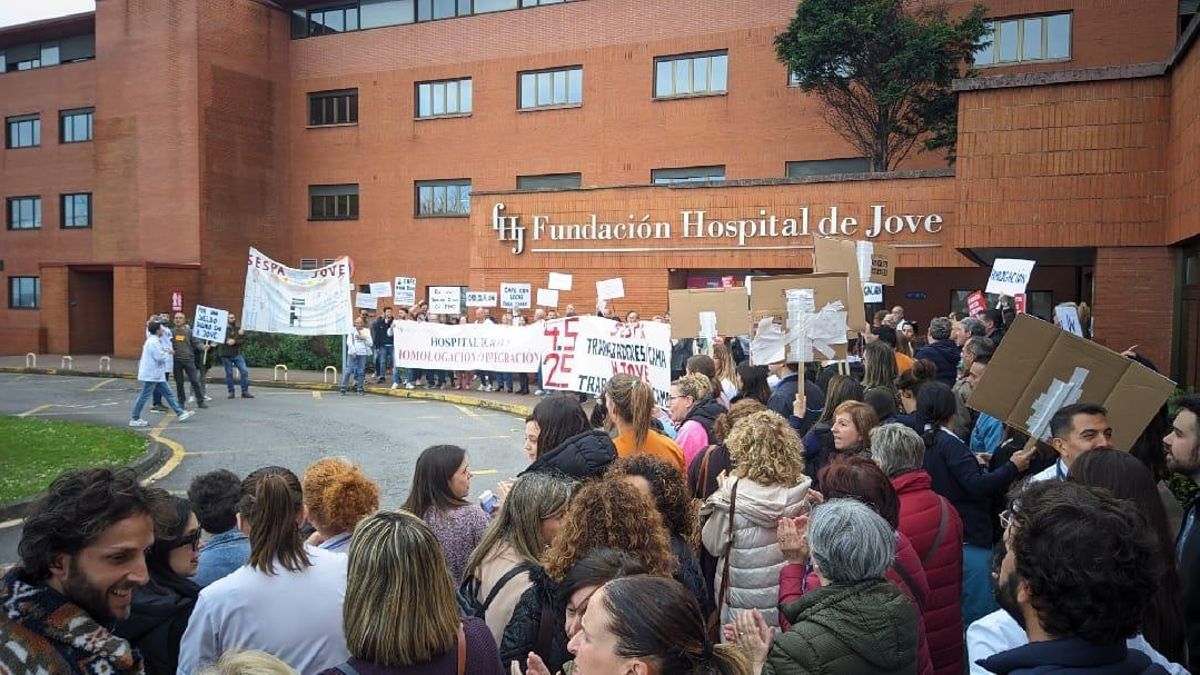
(287, 427)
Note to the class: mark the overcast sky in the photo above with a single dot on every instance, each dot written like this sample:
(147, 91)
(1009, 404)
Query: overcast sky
(24, 11)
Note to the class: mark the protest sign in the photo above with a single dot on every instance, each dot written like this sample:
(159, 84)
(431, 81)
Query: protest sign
(209, 324)
(872, 293)
(560, 281)
(841, 256)
(610, 289)
(380, 289)
(976, 303)
(585, 351)
(1039, 368)
(1066, 317)
(281, 299)
(730, 307)
(726, 282)
(768, 299)
(481, 299)
(470, 346)
(1019, 303)
(547, 297)
(405, 293)
(876, 262)
(516, 296)
(445, 300)
(1009, 276)
(365, 301)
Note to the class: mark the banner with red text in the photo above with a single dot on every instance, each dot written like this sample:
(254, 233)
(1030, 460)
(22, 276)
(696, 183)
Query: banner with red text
(585, 351)
(281, 299)
(472, 346)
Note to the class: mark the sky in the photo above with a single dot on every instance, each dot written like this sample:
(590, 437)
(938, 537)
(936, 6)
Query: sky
(23, 11)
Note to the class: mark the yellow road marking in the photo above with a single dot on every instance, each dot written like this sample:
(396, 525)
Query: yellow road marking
(99, 384)
(316, 394)
(34, 411)
(177, 452)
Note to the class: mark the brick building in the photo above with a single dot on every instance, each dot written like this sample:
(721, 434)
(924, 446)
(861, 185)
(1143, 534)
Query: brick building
(148, 144)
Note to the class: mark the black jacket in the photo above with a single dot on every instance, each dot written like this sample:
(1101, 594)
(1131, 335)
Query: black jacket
(1189, 574)
(1070, 656)
(379, 336)
(957, 476)
(706, 413)
(784, 396)
(525, 631)
(690, 575)
(581, 456)
(157, 619)
(681, 351)
(945, 355)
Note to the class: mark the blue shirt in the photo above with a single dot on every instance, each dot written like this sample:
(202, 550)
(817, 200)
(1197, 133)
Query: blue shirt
(223, 554)
(987, 434)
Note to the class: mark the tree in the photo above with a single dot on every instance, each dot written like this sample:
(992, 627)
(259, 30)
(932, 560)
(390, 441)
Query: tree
(884, 70)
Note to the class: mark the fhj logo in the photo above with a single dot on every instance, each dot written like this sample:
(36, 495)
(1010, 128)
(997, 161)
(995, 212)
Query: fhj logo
(509, 229)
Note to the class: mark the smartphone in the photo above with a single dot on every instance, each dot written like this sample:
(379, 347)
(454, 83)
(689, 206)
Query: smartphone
(488, 501)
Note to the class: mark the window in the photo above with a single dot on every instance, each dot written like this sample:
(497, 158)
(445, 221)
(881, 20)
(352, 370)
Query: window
(538, 3)
(552, 88)
(333, 202)
(24, 131)
(327, 262)
(24, 213)
(1037, 303)
(308, 263)
(41, 55)
(76, 210)
(429, 10)
(364, 14)
(333, 107)
(1024, 39)
(484, 6)
(825, 167)
(691, 74)
(75, 126)
(549, 181)
(330, 20)
(24, 292)
(444, 197)
(448, 97)
(694, 174)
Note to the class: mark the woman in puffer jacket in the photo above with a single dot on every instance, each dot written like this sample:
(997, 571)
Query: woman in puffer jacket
(767, 483)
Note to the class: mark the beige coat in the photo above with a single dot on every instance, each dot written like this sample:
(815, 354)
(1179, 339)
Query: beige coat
(501, 610)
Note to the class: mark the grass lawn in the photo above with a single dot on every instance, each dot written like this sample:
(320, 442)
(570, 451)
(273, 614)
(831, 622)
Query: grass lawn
(34, 451)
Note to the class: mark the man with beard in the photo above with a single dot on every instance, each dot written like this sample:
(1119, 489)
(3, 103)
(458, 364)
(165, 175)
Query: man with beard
(82, 554)
(1182, 447)
(1074, 610)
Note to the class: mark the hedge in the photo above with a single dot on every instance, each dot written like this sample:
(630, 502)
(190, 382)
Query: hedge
(264, 350)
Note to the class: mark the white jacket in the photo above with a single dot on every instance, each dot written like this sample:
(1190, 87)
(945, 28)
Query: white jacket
(359, 343)
(155, 360)
(755, 561)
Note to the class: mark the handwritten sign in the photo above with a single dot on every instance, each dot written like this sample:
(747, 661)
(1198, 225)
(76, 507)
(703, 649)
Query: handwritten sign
(976, 303)
(872, 293)
(365, 301)
(560, 281)
(209, 324)
(405, 291)
(482, 299)
(380, 289)
(1009, 276)
(445, 299)
(516, 296)
(610, 289)
(1067, 318)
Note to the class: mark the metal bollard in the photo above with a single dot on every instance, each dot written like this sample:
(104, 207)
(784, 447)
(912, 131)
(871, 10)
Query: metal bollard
(68, 363)
(31, 360)
(275, 372)
(105, 364)
(325, 375)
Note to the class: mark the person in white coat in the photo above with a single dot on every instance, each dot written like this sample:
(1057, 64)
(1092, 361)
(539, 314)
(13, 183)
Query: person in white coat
(766, 483)
(359, 347)
(152, 375)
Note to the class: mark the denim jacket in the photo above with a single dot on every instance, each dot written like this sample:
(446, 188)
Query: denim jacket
(223, 554)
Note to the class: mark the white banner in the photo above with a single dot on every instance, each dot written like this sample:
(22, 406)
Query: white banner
(585, 351)
(471, 346)
(209, 324)
(516, 296)
(1009, 276)
(405, 292)
(445, 300)
(482, 299)
(281, 299)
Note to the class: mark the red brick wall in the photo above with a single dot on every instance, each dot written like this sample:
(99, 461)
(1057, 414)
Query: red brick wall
(1133, 304)
(1183, 153)
(131, 309)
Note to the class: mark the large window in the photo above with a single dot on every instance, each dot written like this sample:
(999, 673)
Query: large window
(75, 126)
(691, 74)
(691, 174)
(444, 197)
(1023, 39)
(1037, 303)
(549, 181)
(347, 16)
(327, 108)
(333, 202)
(429, 10)
(76, 210)
(329, 20)
(308, 263)
(826, 167)
(24, 292)
(553, 88)
(24, 213)
(23, 132)
(447, 97)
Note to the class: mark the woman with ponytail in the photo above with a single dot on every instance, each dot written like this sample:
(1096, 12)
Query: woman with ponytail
(630, 403)
(286, 600)
(337, 495)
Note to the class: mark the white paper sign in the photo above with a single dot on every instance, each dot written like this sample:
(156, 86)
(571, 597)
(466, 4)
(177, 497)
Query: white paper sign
(547, 297)
(1009, 276)
(365, 301)
(610, 289)
(481, 299)
(380, 289)
(1067, 318)
(405, 292)
(560, 281)
(445, 300)
(872, 292)
(281, 299)
(516, 296)
(708, 325)
(585, 351)
(470, 346)
(209, 324)
(863, 251)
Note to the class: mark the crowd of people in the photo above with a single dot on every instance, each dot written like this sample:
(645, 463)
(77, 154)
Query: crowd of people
(852, 518)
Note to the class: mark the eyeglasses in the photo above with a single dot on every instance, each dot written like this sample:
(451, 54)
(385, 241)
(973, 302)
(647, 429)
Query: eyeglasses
(192, 540)
(672, 398)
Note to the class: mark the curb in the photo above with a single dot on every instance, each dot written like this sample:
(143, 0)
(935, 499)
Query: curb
(156, 455)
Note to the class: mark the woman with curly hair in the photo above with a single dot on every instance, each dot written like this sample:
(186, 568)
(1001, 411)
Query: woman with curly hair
(607, 513)
(706, 466)
(666, 487)
(337, 495)
(767, 483)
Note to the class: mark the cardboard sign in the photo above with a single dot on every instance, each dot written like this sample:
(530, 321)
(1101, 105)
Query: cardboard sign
(1066, 317)
(1009, 276)
(405, 292)
(547, 297)
(445, 300)
(560, 281)
(380, 289)
(610, 289)
(731, 307)
(872, 293)
(585, 351)
(768, 298)
(876, 262)
(516, 296)
(976, 303)
(365, 301)
(482, 299)
(209, 324)
(1039, 368)
(176, 301)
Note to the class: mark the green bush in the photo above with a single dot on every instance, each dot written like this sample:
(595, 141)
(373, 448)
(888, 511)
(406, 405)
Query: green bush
(264, 350)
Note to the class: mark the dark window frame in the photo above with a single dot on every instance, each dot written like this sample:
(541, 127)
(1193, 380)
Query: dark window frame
(689, 56)
(63, 116)
(550, 106)
(565, 176)
(10, 202)
(673, 181)
(9, 122)
(787, 166)
(331, 108)
(443, 183)
(433, 83)
(340, 204)
(62, 210)
(14, 294)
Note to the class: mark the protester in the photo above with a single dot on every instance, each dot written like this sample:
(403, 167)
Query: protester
(1182, 449)
(887, 335)
(257, 606)
(162, 607)
(164, 337)
(439, 495)
(715, 460)
(214, 497)
(337, 495)
(783, 398)
(400, 614)
(993, 324)
(185, 345)
(973, 348)
(151, 374)
(858, 621)
(753, 384)
(704, 366)
(81, 559)
(883, 402)
(879, 368)
(630, 404)
(767, 483)
(818, 439)
(248, 662)
(693, 411)
(727, 372)
(564, 440)
(499, 570)
(359, 346)
(385, 342)
(964, 329)
(845, 432)
(934, 529)
(1074, 430)
(941, 350)
(622, 633)
(908, 384)
(989, 431)
(231, 356)
(1078, 608)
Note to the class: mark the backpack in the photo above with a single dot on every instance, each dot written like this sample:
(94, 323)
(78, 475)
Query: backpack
(468, 593)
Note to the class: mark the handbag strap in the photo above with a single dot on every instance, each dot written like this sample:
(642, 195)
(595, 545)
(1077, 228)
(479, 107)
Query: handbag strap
(941, 533)
(723, 594)
(702, 484)
(462, 651)
(912, 586)
(518, 569)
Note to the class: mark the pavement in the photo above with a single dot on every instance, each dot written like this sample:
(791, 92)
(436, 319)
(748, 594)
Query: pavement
(290, 426)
